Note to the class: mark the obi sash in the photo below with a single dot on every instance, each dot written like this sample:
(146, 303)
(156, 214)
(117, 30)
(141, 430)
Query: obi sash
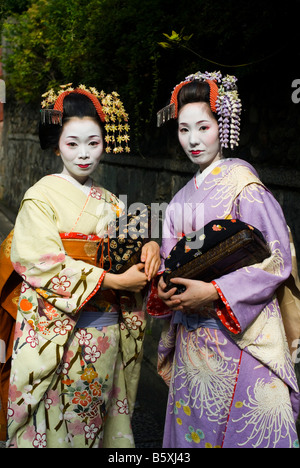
(193, 321)
(97, 320)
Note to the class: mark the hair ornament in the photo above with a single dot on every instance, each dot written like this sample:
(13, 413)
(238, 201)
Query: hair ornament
(224, 101)
(109, 108)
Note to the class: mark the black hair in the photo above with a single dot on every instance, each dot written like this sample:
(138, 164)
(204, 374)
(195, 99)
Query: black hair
(75, 105)
(196, 91)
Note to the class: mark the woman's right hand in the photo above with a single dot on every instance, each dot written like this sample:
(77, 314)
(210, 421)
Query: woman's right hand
(134, 279)
(166, 296)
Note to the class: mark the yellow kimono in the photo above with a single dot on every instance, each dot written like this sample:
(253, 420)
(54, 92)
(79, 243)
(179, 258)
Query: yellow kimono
(70, 386)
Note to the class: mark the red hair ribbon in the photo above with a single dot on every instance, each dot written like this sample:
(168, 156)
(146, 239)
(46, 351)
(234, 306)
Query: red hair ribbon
(59, 104)
(174, 97)
(213, 95)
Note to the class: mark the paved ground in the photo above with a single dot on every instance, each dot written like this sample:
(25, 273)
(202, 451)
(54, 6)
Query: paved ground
(149, 414)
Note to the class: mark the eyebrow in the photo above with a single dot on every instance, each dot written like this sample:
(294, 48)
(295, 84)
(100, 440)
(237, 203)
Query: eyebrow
(200, 121)
(76, 137)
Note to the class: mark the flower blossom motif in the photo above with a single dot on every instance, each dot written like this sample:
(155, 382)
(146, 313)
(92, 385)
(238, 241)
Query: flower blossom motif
(82, 398)
(194, 435)
(40, 441)
(10, 412)
(53, 395)
(116, 208)
(25, 285)
(67, 382)
(123, 406)
(32, 339)
(103, 344)
(217, 227)
(65, 368)
(90, 431)
(76, 427)
(96, 389)
(14, 393)
(52, 259)
(42, 326)
(48, 402)
(91, 354)
(83, 337)
(96, 193)
(29, 433)
(60, 283)
(29, 399)
(62, 327)
(133, 322)
(89, 375)
(50, 311)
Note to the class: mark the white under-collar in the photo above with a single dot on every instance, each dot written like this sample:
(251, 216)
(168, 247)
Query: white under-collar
(200, 176)
(85, 188)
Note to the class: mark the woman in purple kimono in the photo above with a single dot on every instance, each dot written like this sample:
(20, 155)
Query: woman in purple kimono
(224, 351)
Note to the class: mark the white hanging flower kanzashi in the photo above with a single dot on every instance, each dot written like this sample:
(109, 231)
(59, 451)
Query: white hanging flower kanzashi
(227, 105)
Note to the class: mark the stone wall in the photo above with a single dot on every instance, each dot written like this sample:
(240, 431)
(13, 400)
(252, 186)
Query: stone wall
(23, 162)
(146, 180)
(156, 179)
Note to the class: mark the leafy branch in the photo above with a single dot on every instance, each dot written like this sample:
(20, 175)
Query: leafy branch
(176, 40)
(179, 40)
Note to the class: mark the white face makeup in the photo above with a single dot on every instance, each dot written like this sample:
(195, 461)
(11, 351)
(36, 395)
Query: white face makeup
(198, 134)
(80, 146)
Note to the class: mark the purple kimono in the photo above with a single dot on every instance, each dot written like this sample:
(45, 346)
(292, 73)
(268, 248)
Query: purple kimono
(231, 380)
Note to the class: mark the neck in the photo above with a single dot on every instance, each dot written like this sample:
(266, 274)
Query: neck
(218, 157)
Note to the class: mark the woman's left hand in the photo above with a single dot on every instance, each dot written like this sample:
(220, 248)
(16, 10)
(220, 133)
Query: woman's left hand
(197, 294)
(150, 256)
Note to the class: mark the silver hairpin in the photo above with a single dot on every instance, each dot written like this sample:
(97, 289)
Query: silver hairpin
(165, 114)
(51, 116)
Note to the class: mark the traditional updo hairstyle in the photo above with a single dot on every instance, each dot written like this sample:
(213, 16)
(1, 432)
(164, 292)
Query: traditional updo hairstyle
(219, 92)
(196, 91)
(74, 105)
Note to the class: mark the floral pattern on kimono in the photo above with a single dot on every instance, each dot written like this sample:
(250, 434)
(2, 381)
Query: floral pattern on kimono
(69, 386)
(233, 386)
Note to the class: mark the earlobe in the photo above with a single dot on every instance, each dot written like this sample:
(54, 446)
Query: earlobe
(57, 152)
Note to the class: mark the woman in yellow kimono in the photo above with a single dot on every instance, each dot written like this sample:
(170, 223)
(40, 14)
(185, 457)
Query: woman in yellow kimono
(77, 342)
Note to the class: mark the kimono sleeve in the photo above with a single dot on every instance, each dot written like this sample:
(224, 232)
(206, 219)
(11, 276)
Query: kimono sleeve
(38, 256)
(248, 290)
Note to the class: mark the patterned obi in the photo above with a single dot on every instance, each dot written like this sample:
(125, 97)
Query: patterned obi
(103, 309)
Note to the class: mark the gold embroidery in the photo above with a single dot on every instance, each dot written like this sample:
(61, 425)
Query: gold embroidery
(239, 180)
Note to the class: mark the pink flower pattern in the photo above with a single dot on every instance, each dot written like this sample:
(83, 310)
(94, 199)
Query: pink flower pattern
(96, 193)
(32, 339)
(83, 389)
(91, 353)
(123, 406)
(61, 283)
(62, 327)
(40, 441)
(83, 337)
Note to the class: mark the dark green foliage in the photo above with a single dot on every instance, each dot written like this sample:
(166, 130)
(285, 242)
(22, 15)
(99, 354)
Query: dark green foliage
(114, 45)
